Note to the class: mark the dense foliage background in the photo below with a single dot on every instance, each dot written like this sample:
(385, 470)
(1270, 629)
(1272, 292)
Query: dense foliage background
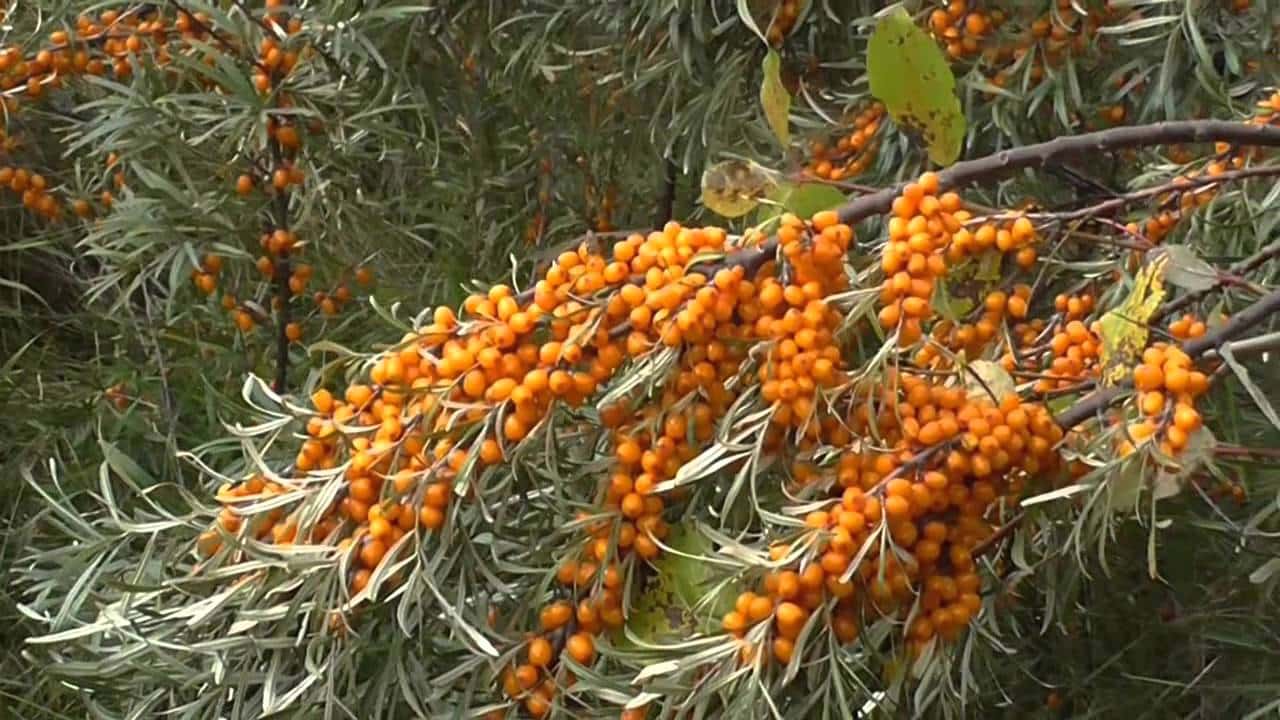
(438, 148)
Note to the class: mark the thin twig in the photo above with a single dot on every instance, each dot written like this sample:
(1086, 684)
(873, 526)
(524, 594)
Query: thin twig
(282, 273)
(1183, 184)
(667, 200)
(1000, 534)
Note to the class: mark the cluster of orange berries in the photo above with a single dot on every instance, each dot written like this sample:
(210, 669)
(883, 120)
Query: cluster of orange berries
(953, 460)
(971, 338)
(121, 36)
(274, 62)
(205, 277)
(1168, 385)
(1174, 206)
(927, 234)
(1050, 39)
(717, 318)
(33, 189)
(785, 14)
(531, 681)
(331, 303)
(1187, 327)
(852, 152)
(1074, 351)
(118, 396)
(803, 358)
(963, 30)
(275, 526)
(513, 357)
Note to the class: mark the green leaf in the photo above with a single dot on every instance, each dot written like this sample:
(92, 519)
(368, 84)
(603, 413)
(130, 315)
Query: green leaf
(803, 199)
(911, 77)
(689, 577)
(734, 188)
(774, 98)
(1186, 270)
(747, 16)
(1255, 392)
(949, 307)
(681, 597)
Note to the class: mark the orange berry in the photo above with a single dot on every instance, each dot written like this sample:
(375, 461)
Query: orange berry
(539, 652)
(1148, 377)
(581, 647)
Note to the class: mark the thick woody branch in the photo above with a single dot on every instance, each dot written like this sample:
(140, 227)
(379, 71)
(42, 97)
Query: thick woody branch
(1042, 154)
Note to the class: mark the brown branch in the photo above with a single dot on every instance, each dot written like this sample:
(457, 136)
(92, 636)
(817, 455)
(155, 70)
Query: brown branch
(272, 31)
(281, 278)
(1000, 534)
(1042, 154)
(667, 200)
(227, 42)
(1183, 184)
(1228, 450)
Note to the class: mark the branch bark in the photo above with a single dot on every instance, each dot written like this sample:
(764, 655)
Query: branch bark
(281, 278)
(1042, 154)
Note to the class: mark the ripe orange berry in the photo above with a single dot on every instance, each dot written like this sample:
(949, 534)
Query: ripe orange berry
(556, 616)
(1148, 377)
(783, 649)
(1186, 418)
(790, 619)
(539, 652)
(581, 648)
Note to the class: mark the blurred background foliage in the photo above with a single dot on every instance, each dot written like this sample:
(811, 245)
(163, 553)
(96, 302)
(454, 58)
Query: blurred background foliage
(464, 140)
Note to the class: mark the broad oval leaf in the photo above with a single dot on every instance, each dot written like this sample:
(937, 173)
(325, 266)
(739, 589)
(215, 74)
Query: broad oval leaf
(911, 77)
(734, 188)
(1186, 270)
(803, 199)
(984, 379)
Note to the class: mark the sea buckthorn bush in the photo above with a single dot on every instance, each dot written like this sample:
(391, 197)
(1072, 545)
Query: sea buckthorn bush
(385, 361)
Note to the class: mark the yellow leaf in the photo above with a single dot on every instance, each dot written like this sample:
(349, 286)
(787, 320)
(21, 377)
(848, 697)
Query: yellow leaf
(733, 188)
(775, 99)
(987, 380)
(1124, 329)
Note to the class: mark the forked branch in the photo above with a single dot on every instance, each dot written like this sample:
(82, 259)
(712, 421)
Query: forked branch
(1042, 154)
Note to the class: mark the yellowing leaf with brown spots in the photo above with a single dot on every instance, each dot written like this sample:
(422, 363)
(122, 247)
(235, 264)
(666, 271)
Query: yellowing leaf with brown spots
(1124, 329)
